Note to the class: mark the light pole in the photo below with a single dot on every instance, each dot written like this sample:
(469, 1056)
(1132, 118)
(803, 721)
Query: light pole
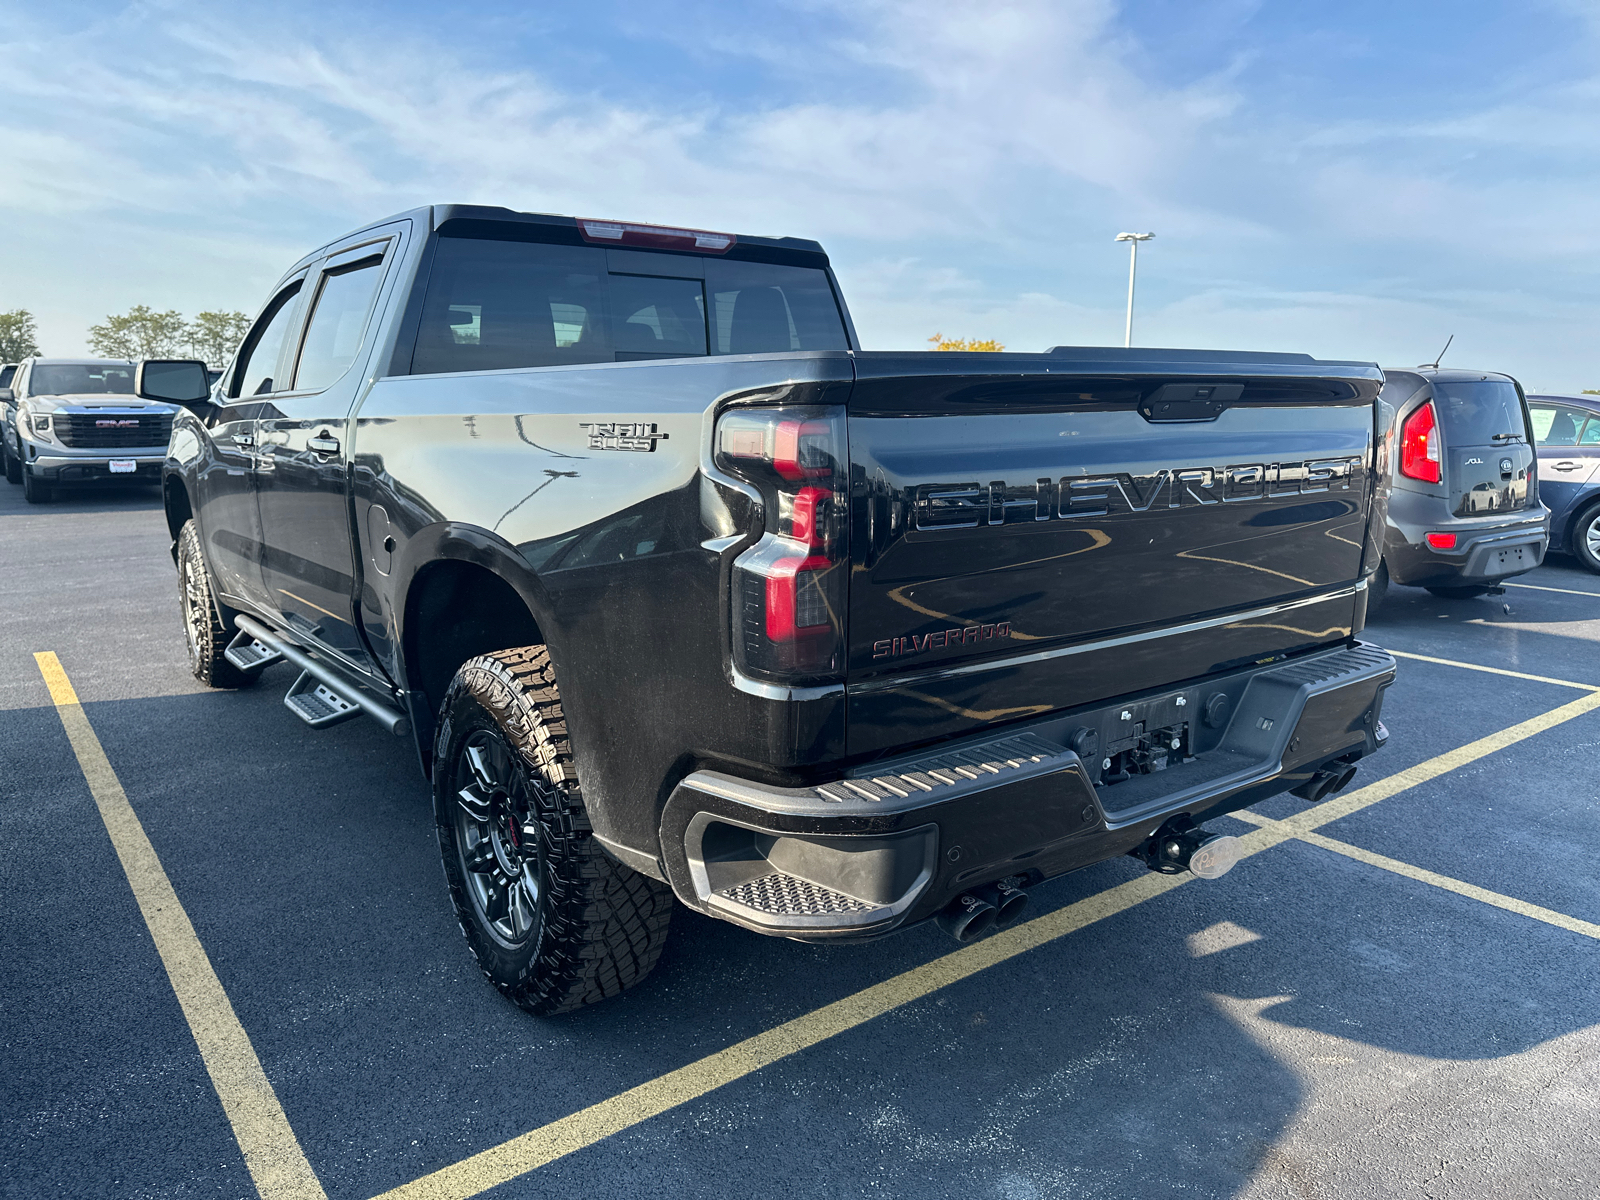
(1133, 240)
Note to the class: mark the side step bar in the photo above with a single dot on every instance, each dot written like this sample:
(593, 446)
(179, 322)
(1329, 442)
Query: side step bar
(321, 696)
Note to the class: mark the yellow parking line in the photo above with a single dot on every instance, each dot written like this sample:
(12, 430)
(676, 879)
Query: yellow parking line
(1466, 666)
(1471, 890)
(509, 1160)
(271, 1152)
(1534, 587)
(1342, 806)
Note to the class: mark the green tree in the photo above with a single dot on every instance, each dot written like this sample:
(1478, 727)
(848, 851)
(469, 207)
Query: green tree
(18, 338)
(1591, 391)
(940, 342)
(141, 332)
(214, 336)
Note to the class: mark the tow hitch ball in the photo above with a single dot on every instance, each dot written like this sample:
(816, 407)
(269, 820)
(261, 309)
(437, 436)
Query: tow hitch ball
(1179, 846)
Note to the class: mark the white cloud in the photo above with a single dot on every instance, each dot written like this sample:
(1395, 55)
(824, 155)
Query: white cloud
(967, 165)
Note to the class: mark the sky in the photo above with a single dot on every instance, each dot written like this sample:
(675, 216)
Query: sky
(1357, 180)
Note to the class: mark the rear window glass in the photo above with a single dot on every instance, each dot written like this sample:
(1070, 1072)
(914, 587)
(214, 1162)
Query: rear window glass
(493, 305)
(1473, 413)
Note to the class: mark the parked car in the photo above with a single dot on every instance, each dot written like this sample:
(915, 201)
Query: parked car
(78, 421)
(681, 594)
(1566, 430)
(1464, 512)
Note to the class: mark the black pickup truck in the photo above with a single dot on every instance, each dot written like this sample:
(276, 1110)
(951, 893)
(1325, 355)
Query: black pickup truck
(682, 594)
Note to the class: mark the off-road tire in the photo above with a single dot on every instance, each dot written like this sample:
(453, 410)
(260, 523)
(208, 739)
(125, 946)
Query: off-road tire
(13, 464)
(205, 634)
(1463, 592)
(598, 926)
(1586, 538)
(34, 491)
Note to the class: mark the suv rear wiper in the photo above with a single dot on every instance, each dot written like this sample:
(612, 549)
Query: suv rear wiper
(1507, 437)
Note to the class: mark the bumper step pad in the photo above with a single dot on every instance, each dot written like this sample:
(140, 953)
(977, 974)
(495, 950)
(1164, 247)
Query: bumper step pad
(787, 895)
(945, 770)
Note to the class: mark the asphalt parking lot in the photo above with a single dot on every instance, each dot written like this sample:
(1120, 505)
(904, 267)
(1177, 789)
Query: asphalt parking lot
(1394, 995)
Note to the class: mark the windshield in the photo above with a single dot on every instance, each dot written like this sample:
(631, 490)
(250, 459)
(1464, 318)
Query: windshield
(1482, 412)
(77, 379)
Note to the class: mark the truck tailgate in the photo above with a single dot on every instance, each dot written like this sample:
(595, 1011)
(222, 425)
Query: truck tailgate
(1030, 533)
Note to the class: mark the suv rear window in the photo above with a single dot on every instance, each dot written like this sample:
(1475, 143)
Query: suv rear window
(493, 305)
(1472, 413)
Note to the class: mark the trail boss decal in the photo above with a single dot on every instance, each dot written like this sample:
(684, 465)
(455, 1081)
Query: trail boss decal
(622, 435)
(968, 505)
(945, 639)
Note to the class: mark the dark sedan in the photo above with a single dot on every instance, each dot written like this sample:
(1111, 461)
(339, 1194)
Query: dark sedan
(1566, 430)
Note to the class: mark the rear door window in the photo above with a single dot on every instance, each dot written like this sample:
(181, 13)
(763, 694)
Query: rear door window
(1562, 426)
(494, 305)
(1479, 412)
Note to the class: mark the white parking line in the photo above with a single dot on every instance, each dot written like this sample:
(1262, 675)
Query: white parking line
(1534, 587)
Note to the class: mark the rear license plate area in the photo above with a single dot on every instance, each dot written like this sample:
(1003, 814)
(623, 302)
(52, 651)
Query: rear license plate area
(1512, 558)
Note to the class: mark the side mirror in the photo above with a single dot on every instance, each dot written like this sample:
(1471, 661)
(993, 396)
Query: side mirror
(7, 395)
(172, 380)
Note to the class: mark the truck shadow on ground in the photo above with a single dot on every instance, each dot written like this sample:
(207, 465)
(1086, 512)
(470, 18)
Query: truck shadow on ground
(1163, 1051)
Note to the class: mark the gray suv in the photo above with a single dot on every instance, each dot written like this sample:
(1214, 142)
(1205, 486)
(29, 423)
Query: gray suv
(1464, 510)
(78, 421)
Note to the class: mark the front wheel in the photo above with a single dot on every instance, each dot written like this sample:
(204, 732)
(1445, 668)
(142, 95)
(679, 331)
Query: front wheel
(13, 464)
(35, 491)
(554, 922)
(203, 630)
(1586, 538)
(1465, 592)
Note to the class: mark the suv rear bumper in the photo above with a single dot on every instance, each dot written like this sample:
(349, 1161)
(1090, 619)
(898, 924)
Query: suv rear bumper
(894, 843)
(1482, 554)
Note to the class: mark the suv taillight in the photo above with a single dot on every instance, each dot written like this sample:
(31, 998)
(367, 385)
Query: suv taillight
(1419, 445)
(789, 588)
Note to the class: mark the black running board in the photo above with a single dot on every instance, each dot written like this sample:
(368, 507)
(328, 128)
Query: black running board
(322, 695)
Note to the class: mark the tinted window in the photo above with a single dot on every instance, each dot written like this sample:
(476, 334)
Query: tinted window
(1473, 413)
(333, 335)
(494, 305)
(1591, 433)
(759, 308)
(258, 362)
(1558, 426)
(5, 376)
(74, 379)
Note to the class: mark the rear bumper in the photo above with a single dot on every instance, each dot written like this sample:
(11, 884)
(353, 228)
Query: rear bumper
(892, 844)
(1482, 553)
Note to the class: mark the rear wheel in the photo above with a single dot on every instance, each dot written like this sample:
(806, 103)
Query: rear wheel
(554, 922)
(1465, 592)
(203, 630)
(1586, 538)
(34, 490)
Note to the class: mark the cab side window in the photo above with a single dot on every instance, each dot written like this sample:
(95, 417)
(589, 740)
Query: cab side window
(334, 333)
(258, 361)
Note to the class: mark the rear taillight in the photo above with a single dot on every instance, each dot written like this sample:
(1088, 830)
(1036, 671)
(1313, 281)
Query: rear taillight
(789, 588)
(1419, 445)
(1441, 541)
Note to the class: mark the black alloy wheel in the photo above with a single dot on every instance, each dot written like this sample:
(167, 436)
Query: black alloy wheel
(1586, 538)
(554, 921)
(499, 839)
